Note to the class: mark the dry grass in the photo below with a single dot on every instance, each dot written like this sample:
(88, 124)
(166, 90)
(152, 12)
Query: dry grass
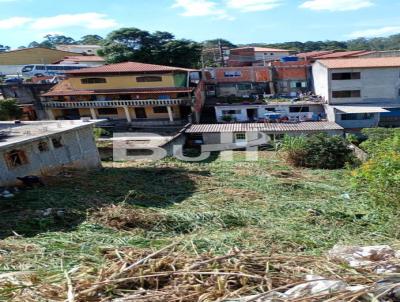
(170, 275)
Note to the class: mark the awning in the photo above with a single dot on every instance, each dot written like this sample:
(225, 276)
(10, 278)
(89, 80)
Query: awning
(360, 109)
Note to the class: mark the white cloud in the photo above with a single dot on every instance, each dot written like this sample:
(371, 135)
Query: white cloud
(375, 32)
(253, 5)
(336, 5)
(200, 8)
(13, 22)
(222, 9)
(85, 20)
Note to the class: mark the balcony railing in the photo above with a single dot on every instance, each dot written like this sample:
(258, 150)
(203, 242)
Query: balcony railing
(119, 103)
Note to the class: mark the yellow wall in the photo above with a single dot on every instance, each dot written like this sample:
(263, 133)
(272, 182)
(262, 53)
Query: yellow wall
(121, 113)
(122, 82)
(33, 56)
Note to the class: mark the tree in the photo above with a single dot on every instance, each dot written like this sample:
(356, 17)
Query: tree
(91, 40)
(51, 41)
(133, 44)
(9, 110)
(4, 48)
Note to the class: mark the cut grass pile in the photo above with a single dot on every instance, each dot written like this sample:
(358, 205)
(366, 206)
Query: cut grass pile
(266, 207)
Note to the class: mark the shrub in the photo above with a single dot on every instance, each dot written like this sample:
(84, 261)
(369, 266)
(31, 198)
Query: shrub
(380, 175)
(317, 151)
(9, 110)
(100, 132)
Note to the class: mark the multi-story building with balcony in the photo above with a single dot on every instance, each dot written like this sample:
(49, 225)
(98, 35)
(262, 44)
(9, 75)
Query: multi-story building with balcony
(360, 92)
(136, 93)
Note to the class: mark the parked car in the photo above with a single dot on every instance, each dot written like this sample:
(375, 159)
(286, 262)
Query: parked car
(14, 81)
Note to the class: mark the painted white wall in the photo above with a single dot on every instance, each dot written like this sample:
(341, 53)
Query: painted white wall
(79, 151)
(321, 80)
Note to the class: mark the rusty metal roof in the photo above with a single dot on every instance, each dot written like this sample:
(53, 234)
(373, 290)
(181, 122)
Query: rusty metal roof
(265, 127)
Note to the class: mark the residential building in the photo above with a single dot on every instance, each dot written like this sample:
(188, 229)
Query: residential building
(272, 111)
(359, 92)
(285, 78)
(133, 93)
(45, 148)
(28, 96)
(80, 49)
(90, 61)
(12, 62)
(249, 56)
(220, 137)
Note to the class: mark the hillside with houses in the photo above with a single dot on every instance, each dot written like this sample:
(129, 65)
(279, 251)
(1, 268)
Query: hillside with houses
(144, 167)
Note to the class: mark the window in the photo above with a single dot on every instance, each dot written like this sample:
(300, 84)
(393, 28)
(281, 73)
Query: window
(16, 158)
(160, 109)
(228, 112)
(346, 94)
(240, 137)
(107, 111)
(346, 76)
(43, 146)
(357, 116)
(244, 86)
(149, 79)
(270, 109)
(232, 74)
(57, 142)
(93, 81)
(299, 109)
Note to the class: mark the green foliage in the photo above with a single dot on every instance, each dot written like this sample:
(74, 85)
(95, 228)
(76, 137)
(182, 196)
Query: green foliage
(387, 43)
(379, 138)
(9, 110)
(99, 132)
(319, 151)
(380, 175)
(133, 44)
(91, 40)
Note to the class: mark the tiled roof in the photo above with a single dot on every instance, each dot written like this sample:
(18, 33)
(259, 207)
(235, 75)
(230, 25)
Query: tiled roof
(344, 54)
(259, 49)
(128, 67)
(314, 54)
(362, 62)
(84, 58)
(264, 127)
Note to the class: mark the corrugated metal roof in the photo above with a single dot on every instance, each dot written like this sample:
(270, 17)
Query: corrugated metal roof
(360, 109)
(128, 67)
(362, 62)
(265, 127)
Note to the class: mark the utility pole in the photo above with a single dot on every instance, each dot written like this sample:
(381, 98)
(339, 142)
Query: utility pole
(221, 53)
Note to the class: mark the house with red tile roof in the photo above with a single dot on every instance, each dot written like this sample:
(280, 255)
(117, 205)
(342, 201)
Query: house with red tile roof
(132, 92)
(360, 92)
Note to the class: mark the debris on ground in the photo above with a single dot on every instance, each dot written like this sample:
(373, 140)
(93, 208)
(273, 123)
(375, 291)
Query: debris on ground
(381, 258)
(168, 275)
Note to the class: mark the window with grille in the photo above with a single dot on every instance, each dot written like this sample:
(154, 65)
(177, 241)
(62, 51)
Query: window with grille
(94, 81)
(149, 79)
(346, 94)
(16, 158)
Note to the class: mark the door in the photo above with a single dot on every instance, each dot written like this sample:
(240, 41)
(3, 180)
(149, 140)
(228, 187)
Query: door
(140, 112)
(251, 114)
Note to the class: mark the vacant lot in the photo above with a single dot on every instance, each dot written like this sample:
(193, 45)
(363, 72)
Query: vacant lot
(264, 206)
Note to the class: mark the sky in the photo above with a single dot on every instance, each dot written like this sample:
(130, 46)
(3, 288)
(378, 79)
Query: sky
(240, 21)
